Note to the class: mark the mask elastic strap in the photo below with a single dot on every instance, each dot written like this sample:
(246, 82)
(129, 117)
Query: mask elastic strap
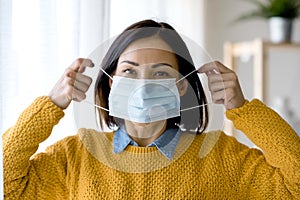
(187, 75)
(106, 73)
(190, 108)
(95, 105)
(214, 70)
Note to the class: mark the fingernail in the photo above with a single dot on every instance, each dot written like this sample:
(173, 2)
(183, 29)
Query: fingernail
(217, 72)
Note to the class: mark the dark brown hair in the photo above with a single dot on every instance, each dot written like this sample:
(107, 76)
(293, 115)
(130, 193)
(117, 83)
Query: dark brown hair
(194, 119)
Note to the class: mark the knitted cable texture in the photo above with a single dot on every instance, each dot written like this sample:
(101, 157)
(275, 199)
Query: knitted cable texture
(207, 166)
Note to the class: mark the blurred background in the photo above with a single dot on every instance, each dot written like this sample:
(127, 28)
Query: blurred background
(40, 38)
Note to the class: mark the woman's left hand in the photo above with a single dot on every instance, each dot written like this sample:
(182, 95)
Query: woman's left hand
(223, 85)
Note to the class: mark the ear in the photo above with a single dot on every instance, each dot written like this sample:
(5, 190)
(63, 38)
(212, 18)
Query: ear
(182, 87)
(110, 82)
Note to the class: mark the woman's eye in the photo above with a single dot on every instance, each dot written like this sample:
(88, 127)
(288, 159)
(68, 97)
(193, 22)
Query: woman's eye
(129, 71)
(161, 73)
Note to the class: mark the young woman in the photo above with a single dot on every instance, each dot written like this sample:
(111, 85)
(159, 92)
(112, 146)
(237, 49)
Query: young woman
(147, 77)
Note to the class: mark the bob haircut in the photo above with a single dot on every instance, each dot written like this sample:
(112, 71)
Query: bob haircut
(193, 119)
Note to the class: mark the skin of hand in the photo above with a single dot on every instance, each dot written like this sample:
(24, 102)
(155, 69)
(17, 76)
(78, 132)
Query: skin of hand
(72, 85)
(223, 85)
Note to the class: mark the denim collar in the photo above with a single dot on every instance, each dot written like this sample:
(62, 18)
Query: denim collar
(166, 143)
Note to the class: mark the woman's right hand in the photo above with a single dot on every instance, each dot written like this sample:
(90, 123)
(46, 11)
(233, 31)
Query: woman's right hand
(72, 85)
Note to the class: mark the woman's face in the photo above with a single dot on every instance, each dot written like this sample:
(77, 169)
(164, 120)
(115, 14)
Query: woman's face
(148, 58)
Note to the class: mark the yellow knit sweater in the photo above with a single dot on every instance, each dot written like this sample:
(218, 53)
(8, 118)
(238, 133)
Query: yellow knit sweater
(207, 166)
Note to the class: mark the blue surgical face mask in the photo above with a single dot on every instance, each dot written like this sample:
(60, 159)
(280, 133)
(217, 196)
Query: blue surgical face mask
(144, 100)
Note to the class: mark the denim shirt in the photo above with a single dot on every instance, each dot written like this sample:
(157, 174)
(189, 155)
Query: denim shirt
(166, 143)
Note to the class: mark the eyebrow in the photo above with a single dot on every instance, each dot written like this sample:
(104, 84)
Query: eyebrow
(153, 66)
(130, 62)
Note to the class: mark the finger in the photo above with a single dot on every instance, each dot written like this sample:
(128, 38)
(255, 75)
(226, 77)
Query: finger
(215, 66)
(80, 63)
(221, 86)
(78, 82)
(83, 79)
(81, 69)
(222, 96)
(216, 87)
(215, 82)
(78, 95)
(218, 96)
(78, 77)
(213, 78)
(220, 101)
(208, 68)
(81, 86)
(68, 81)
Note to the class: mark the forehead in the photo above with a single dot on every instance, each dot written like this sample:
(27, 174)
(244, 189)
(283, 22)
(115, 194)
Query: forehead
(148, 43)
(149, 50)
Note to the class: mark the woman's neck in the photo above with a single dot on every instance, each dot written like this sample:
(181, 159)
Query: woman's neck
(144, 134)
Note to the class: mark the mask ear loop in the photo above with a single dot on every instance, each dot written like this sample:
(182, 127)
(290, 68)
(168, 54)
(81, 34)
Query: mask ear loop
(190, 108)
(186, 75)
(106, 73)
(185, 109)
(95, 105)
(214, 70)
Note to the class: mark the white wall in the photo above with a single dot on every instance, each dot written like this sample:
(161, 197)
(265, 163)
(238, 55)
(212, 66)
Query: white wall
(185, 16)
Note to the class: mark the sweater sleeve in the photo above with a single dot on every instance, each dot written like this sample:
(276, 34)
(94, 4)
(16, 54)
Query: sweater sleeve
(23, 179)
(280, 146)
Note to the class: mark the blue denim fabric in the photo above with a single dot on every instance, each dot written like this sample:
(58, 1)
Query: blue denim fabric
(166, 143)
